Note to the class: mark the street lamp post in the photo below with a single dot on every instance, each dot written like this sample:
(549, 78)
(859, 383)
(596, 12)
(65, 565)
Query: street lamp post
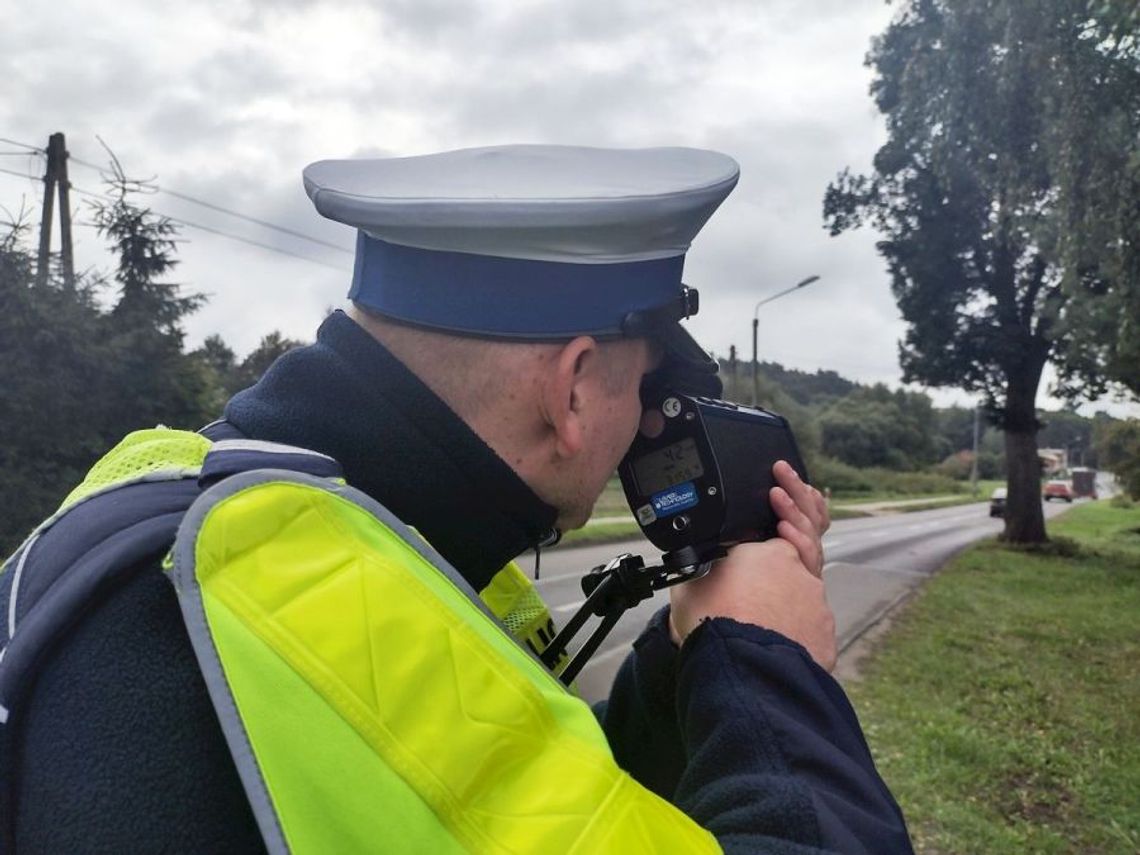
(974, 463)
(1071, 450)
(755, 327)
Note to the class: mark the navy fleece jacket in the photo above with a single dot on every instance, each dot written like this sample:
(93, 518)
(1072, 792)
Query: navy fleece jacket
(116, 747)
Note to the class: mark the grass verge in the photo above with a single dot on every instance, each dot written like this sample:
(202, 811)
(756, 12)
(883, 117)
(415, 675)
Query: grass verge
(1002, 705)
(841, 513)
(963, 493)
(934, 504)
(612, 532)
(612, 503)
(601, 533)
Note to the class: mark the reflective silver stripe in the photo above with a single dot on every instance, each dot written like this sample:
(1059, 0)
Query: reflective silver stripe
(171, 474)
(16, 584)
(266, 447)
(194, 614)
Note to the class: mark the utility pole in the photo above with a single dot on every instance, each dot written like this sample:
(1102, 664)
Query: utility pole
(756, 327)
(755, 364)
(46, 218)
(732, 372)
(974, 464)
(55, 180)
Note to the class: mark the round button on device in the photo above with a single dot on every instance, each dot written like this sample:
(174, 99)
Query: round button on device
(681, 523)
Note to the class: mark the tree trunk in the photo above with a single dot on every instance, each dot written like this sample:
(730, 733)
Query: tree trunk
(1024, 518)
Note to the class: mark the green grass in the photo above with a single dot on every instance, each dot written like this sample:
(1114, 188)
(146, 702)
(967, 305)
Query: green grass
(943, 502)
(601, 533)
(984, 490)
(612, 501)
(1003, 706)
(612, 504)
(838, 512)
(611, 532)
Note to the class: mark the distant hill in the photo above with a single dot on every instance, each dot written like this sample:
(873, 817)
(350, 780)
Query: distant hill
(856, 423)
(803, 388)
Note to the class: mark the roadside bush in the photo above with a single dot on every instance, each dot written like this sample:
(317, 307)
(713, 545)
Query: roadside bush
(991, 465)
(841, 478)
(920, 482)
(957, 466)
(847, 481)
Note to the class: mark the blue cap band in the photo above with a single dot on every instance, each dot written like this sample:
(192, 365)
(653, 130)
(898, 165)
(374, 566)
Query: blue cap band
(507, 297)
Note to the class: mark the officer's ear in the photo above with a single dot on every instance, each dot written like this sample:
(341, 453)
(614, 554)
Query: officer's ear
(566, 392)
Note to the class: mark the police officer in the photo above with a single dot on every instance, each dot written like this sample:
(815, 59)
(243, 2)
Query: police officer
(300, 629)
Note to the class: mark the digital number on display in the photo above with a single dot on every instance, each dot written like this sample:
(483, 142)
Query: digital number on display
(662, 469)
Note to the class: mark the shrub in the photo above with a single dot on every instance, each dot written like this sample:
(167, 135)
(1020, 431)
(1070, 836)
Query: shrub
(849, 481)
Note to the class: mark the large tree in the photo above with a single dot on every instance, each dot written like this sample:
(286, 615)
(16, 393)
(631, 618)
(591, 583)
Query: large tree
(975, 192)
(1118, 446)
(1095, 157)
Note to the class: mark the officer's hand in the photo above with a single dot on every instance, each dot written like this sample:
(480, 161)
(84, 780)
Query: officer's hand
(765, 584)
(776, 584)
(803, 514)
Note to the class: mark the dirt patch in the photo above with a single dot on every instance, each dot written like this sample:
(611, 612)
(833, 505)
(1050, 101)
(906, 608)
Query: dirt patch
(1037, 802)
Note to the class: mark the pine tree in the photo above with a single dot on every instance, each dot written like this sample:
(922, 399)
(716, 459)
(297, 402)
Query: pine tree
(157, 383)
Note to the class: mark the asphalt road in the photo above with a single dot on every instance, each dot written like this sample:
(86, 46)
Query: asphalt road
(871, 563)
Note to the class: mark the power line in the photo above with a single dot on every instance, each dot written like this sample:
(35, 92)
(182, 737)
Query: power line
(202, 202)
(20, 174)
(221, 233)
(188, 223)
(36, 148)
(248, 218)
(185, 197)
(271, 248)
(18, 218)
(86, 163)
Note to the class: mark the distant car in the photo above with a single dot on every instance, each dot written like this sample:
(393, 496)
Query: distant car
(997, 502)
(1057, 489)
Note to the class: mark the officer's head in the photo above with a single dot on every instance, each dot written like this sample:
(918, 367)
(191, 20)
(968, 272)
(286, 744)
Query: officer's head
(534, 288)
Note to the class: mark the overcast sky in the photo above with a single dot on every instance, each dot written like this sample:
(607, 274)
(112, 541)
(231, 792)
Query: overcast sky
(228, 101)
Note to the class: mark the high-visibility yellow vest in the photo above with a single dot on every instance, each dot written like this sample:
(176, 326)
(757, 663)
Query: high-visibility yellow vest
(371, 701)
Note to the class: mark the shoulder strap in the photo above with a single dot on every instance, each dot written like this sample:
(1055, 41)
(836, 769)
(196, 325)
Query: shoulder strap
(106, 529)
(122, 519)
(59, 572)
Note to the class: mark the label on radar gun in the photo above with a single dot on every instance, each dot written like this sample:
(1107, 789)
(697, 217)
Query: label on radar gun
(674, 500)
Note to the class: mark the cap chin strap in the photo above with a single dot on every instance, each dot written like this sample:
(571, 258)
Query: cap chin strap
(643, 322)
(692, 372)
